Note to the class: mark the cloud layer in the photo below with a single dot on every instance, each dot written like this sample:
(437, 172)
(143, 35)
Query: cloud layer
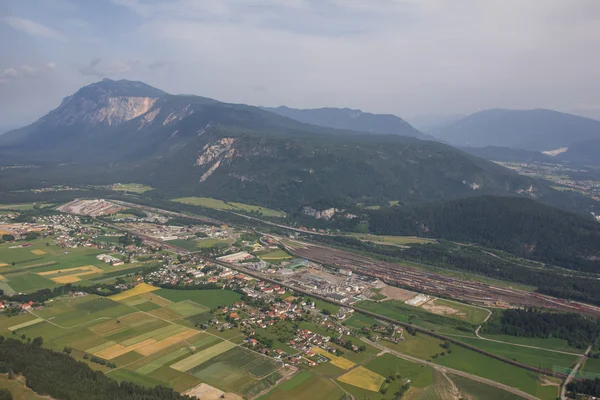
(407, 57)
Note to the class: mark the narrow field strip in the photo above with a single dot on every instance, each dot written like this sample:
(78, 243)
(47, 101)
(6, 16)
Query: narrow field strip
(164, 343)
(139, 289)
(118, 350)
(25, 324)
(196, 359)
(152, 334)
(100, 347)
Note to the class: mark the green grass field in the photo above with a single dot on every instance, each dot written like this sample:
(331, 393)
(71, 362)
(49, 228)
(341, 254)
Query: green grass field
(131, 187)
(229, 206)
(592, 365)
(552, 344)
(475, 390)
(465, 312)
(545, 359)
(397, 240)
(305, 386)
(208, 298)
(404, 313)
(359, 321)
(486, 367)
(276, 256)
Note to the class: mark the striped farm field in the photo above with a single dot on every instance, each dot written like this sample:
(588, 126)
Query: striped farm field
(166, 313)
(118, 350)
(100, 347)
(196, 359)
(139, 289)
(335, 360)
(25, 324)
(155, 334)
(363, 378)
(164, 360)
(166, 342)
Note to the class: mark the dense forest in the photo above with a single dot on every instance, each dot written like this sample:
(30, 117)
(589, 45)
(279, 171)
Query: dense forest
(587, 386)
(475, 260)
(60, 376)
(519, 226)
(580, 331)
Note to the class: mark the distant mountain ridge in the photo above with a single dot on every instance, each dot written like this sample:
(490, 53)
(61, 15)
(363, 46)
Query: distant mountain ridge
(123, 131)
(350, 119)
(535, 130)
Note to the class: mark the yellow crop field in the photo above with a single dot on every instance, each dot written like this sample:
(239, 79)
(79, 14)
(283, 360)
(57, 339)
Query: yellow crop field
(363, 378)
(139, 289)
(118, 350)
(163, 344)
(340, 362)
(3, 265)
(38, 252)
(66, 279)
(196, 359)
(2, 278)
(71, 275)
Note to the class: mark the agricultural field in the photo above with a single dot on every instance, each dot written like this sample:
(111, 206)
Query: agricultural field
(396, 240)
(305, 386)
(592, 365)
(534, 357)
(229, 206)
(360, 321)
(24, 206)
(208, 298)
(475, 390)
(43, 265)
(486, 367)
(339, 362)
(363, 378)
(453, 309)
(195, 245)
(146, 348)
(404, 313)
(551, 344)
(131, 187)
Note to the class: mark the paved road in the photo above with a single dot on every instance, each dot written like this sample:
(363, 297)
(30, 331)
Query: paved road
(563, 392)
(454, 371)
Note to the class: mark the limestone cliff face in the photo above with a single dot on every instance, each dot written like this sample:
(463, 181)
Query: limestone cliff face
(109, 110)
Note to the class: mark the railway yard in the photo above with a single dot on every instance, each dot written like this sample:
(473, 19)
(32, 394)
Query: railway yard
(440, 285)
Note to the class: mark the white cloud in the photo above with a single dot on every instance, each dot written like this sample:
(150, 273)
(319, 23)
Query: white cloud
(9, 73)
(33, 28)
(51, 65)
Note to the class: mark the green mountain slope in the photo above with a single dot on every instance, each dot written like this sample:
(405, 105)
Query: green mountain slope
(189, 145)
(355, 120)
(516, 225)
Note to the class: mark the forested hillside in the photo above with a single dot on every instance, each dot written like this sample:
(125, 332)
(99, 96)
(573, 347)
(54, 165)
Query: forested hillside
(578, 330)
(519, 226)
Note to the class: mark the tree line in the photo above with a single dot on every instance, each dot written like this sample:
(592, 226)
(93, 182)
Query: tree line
(578, 330)
(58, 375)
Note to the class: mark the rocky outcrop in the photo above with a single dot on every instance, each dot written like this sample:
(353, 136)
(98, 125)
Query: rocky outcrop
(326, 214)
(211, 152)
(109, 110)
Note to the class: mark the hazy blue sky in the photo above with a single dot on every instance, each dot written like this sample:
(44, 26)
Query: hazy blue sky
(407, 57)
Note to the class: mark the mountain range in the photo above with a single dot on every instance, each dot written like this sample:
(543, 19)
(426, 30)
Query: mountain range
(349, 119)
(119, 131)
(534, 130)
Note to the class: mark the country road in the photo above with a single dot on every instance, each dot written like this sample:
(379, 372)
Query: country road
(454, 371)
(563, 392)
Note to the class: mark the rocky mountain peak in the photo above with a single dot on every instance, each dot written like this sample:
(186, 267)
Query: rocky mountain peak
(106, 102)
